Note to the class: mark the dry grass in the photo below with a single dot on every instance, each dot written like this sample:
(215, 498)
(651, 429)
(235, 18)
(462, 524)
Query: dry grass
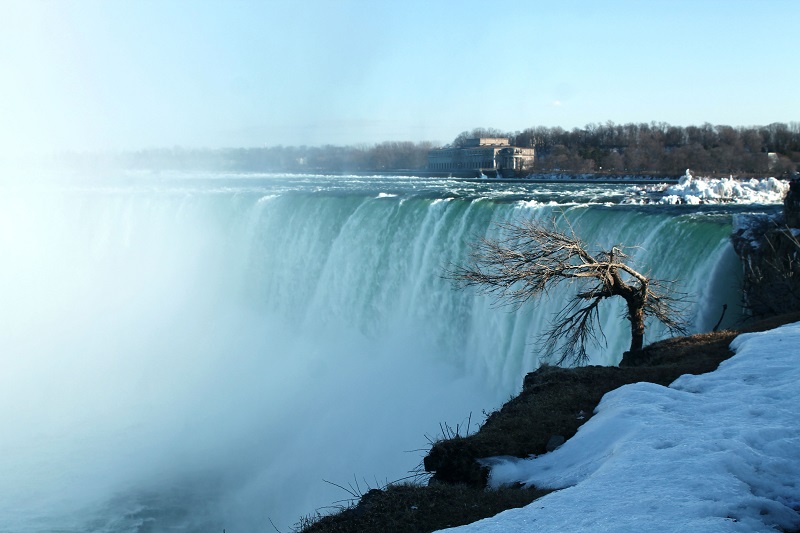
(419, 509)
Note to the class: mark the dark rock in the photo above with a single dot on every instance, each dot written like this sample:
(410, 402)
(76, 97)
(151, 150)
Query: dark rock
(369, 499)
(791, 204)
(634, 358)
(455, 461)
(554, 442)
(770, 253)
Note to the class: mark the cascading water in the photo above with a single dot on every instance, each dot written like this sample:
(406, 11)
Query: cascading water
(201, 353)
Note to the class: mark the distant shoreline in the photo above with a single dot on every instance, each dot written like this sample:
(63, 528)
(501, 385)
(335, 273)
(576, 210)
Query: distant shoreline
(544, 177)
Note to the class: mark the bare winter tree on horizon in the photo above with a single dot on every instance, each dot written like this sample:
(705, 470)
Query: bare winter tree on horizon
(532, 257)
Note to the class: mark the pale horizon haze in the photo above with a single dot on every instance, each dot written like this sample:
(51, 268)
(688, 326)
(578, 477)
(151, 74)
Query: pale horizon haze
(115, 75)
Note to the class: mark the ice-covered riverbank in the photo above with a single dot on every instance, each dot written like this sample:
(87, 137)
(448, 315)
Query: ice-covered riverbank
(699, 190)
(714, 452)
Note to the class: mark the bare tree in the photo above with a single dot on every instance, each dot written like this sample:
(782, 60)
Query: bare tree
(532, 258)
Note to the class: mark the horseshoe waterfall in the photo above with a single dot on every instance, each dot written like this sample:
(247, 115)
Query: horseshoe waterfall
(199, 352)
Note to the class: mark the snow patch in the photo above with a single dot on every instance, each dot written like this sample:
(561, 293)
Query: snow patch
(694, 191)
(699, 190)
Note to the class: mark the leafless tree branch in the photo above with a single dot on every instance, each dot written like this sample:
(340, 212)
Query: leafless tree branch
(531, 258)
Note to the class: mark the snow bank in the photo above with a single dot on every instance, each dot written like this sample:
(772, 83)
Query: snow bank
(691, 190)
(715, 452)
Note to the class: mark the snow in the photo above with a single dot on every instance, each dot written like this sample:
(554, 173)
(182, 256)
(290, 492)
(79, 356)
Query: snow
(691, 190)
(714, 452)
(699, 190)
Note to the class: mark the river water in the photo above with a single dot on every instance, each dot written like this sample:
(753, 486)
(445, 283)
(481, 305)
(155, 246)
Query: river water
(193, 352)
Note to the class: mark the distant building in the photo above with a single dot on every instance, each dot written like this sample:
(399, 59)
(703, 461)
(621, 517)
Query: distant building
(483, 154)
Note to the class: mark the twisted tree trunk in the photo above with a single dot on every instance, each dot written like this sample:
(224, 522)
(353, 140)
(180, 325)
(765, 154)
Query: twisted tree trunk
(636, 316)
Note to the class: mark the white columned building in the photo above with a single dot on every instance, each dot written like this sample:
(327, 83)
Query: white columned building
(482, 154)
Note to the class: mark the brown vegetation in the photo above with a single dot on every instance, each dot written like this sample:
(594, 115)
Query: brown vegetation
(658, 147)
(419, 509)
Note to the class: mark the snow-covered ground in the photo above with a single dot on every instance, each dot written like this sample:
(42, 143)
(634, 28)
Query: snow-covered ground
(699, 190)
(715, 452)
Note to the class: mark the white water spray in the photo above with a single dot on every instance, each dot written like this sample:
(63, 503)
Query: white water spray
(202, 357)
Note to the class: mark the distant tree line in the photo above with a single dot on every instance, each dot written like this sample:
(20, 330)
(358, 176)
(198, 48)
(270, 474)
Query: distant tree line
(645, 148)
(660, 148)
(386, 156)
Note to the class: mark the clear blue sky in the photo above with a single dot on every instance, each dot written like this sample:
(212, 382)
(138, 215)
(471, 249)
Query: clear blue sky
(129, 74)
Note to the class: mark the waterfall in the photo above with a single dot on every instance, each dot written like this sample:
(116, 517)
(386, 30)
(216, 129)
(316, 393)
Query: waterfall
(203, 355)
(378, 265)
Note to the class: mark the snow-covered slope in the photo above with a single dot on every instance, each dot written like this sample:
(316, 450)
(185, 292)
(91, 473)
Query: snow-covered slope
(715, 452)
